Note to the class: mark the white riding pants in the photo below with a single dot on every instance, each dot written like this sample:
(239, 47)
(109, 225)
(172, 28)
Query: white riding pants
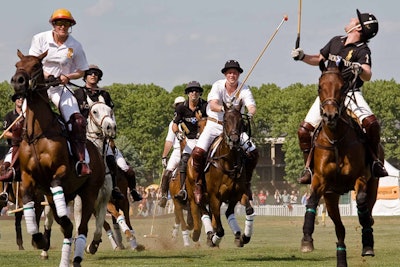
(353, 101)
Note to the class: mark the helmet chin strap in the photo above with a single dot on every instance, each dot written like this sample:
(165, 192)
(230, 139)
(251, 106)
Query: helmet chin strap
(353, 28)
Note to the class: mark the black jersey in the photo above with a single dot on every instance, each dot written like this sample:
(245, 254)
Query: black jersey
(99, 94)
(8, 120)
(184, 114)
(335, 50)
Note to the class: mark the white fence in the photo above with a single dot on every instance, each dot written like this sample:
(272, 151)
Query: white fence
(267, 210)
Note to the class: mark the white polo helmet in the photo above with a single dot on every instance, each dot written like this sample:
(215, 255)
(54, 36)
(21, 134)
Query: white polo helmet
(179, 99)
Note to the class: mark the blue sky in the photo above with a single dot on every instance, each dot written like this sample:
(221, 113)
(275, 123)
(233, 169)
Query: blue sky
(173, 42)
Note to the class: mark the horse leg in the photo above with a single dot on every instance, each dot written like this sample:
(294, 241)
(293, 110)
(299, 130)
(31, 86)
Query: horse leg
(100, 214)
(177, 223)
(32, 228)
(332, 206)
(117, 231)
(48, 223)
(248, 225)
(215, 207)
(365, 218)
(233, 224)
(307, 242)
(180, 219)
(120, 218)
(18, 230)
(110, 235)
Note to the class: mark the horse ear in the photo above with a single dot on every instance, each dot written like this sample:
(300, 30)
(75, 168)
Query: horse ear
(90, 102)
(42, 56)
(322, 66)
(19, 54)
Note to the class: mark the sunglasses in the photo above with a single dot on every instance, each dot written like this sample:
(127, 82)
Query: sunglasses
(65, 23)
(91, 72)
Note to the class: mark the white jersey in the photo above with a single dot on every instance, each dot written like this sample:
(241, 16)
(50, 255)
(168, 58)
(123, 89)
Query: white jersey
(64, 59)
(218, 92)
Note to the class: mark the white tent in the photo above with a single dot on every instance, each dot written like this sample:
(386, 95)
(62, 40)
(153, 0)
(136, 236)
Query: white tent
(388, 199)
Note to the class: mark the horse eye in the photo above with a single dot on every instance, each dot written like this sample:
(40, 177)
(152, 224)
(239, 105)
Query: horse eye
(94, 111)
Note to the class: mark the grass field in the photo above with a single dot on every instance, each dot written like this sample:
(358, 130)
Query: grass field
(276, 242)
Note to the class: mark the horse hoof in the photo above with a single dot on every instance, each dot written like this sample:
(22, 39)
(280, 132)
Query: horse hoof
(44, 255)
(238, 241)
(368, 251)
(246, 239)
(307, 246)
(139, 248)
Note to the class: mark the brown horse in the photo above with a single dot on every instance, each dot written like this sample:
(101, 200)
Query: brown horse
(46, 164)
(119, 209)
(11, 190)
(226, 181)
(179, 207)
(340, 164)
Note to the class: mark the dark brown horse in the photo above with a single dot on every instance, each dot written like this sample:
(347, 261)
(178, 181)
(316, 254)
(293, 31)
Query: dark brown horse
(226, 181)
(46, 163)
(12, 193)
(340, 164)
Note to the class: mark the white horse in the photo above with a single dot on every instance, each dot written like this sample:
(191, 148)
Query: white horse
(100, 128)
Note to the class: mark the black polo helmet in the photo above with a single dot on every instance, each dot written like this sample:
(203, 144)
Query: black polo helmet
(193, 86)
(93, 68)
(16, 96)
(232, 64)
(369, 24)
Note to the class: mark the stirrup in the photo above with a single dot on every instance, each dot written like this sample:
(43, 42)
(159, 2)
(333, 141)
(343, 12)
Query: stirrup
(182, 195)
(82, 163)
(306, 176)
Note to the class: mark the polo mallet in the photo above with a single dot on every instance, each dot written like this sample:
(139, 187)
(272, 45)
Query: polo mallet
(11, 125)
(297, 45)
(285, 18)
(151, 235)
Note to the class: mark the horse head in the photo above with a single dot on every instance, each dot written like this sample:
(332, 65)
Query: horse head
(330, 94)
(101, 120)
(233, 125)
(29, 74)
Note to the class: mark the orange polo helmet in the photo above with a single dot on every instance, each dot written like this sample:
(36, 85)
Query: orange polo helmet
(62, 13)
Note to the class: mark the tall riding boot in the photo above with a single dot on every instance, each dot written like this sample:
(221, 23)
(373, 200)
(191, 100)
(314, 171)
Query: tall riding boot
(372, 131)
(112, 166)
(251, 163)
(182, 194)
(164, 188)
(8, 170)
(78, 143)
(131, 177)
(199, 160)
(305, 139)
(6, 173)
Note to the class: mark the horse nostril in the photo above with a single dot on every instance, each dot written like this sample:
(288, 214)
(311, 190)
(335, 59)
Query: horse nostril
(21, 80)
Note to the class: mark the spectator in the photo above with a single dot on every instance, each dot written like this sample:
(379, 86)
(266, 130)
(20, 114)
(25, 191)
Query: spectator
(277, 197)
(262, 198)
(285, 198)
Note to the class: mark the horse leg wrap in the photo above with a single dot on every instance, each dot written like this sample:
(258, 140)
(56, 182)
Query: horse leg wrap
(133, 242)
(122, 223)
(309, 220)
(118, 236)
(59, 201)
(30, 218)
(341, 254)
(248, 225)
(185, 236)
(216, 239)
(207, 224)
(233, 224)
(65, 252)
(175, 229)
(110, 236)
(80, 243)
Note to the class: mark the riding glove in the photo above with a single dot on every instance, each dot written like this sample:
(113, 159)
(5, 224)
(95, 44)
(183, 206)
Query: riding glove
(298, 54)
